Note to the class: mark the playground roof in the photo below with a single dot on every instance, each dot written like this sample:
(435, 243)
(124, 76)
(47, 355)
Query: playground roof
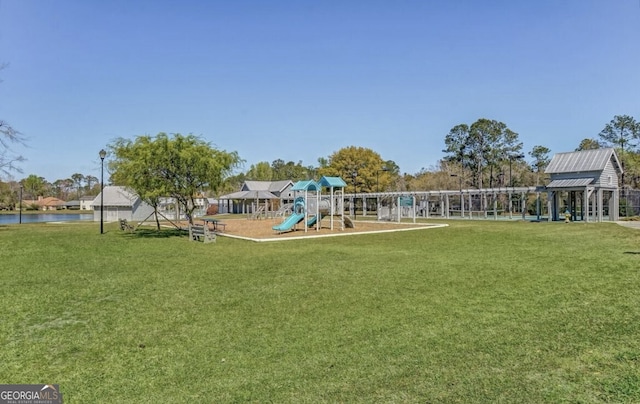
(335, 182)
(309, 185)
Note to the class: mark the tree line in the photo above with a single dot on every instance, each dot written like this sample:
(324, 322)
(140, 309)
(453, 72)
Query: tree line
(485, 153)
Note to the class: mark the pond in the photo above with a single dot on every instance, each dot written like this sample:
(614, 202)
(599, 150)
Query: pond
(14, 218)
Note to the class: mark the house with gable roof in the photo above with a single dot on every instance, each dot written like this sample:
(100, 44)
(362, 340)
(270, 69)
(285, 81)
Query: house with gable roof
(584, 183)
(46, 203)
(120, 203)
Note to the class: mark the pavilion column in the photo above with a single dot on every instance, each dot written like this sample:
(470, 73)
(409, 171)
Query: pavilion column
(364, 206)
(614, 206)
(600, 203)
(585, 213)
(484, 204)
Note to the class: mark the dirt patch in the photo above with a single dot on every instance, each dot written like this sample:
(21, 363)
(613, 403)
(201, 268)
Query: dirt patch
(262, 229)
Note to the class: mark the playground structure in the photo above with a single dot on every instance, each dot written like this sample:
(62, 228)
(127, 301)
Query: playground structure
(310, 206)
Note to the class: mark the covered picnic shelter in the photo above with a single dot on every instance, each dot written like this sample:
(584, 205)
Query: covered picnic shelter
(585, 184)
(257, 196)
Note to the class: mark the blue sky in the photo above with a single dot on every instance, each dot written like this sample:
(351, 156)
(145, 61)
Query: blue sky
(299, 80)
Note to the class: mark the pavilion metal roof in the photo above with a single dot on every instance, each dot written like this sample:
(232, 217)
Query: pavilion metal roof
(570, 183)
(249, 195)
(582, 161)
(271, 186)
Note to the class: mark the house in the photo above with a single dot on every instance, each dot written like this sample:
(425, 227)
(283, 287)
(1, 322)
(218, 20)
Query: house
(120, 203)
(48, 203)
(72, 205)
(584, 183)
(86, 202)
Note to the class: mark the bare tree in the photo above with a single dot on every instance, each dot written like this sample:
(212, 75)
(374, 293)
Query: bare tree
(8, 136)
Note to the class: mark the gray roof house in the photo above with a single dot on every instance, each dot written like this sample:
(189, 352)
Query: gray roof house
(120, 203)
(257, 196)
(585, 184)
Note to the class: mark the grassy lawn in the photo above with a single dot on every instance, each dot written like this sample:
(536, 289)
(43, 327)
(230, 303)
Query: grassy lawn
(481, 311)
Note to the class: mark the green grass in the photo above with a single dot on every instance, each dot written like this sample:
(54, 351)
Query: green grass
(506, 312)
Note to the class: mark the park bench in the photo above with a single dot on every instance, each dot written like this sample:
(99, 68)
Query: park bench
(201, 232)
(125, 226)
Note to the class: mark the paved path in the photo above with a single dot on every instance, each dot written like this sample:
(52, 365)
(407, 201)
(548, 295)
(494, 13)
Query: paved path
(629, 223)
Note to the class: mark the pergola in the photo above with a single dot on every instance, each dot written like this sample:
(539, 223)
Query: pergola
(247, 198)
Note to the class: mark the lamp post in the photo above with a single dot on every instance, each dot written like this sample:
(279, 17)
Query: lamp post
(20, 213)
(102, 155)
(511, 157)
(355, 192)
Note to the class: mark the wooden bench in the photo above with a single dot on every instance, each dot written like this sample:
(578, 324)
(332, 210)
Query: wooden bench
(200, 232)
(124, 226)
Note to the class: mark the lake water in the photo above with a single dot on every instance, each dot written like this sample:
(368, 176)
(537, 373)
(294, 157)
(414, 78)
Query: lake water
(44, 217)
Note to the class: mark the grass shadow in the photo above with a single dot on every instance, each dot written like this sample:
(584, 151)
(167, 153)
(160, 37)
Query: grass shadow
(632, 252)
(162, 233)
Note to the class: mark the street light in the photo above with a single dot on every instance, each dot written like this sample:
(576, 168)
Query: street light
(20, 214)
(102, 155)
(355, 196)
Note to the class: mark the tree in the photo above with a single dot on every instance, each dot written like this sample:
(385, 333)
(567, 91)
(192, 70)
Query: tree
(34, 185)
(363, 168)
(179, 166)
(260, 172)
(621, 131)
(540, 155)
(62, 188)
(91, 182)
(8, 135)
(77, 179)
(486, 143)
(290, 171)
(9, 195)
(588, 144)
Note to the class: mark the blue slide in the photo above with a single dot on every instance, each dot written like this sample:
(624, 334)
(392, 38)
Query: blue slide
(289, 222)
(311, 222)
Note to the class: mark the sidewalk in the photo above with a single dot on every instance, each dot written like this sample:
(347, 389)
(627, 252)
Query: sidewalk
(629, 223)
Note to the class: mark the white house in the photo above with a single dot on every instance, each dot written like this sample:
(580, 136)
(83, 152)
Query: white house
(86, 202)
(120, 203)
